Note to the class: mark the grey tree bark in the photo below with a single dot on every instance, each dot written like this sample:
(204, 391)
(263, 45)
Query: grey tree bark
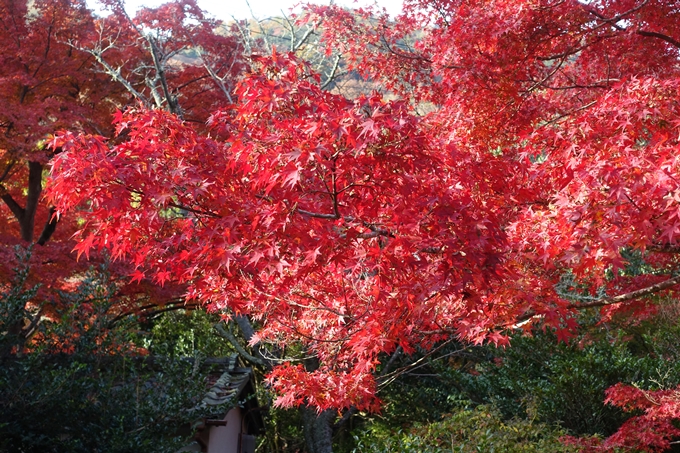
(318, 430)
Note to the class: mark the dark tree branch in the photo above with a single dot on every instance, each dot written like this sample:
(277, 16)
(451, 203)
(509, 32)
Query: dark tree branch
(618, 17)
(154, 309)
(34, 189)
(194, 211)
(317, 215)
(17, 210)
(388, 378)
(160, 70)
(649, 34)
(562, 55)
(665, 248)
(431, 250)
(353, 410)
(408, 56)
(248, 333)
(26, 216)
(8, 169)
(666, 284)
(653, 34)
(50, 226)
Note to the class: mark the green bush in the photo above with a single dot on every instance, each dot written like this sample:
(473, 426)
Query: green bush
(81, 386)
(538, 378)
(563, 383)
(465, 430)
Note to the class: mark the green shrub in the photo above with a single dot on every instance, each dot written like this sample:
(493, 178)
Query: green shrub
(466, 430)
(81, 386)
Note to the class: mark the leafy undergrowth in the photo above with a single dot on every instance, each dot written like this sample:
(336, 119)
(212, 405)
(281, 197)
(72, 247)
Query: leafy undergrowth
(466, 430)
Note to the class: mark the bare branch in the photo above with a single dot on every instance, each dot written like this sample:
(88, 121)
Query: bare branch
(226, 334)
(159, 64)
(246, 36)
(318, 215)
(217, 79)
(259, 23)
(305, 37)
(602, 302)
(114, 73)
(653, 34)
(333, 73)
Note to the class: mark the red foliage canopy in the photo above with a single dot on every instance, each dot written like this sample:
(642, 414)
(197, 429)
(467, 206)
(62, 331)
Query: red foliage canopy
(532, 149)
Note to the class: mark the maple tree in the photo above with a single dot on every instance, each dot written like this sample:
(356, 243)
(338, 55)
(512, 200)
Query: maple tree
(528, 157)
(45, 86)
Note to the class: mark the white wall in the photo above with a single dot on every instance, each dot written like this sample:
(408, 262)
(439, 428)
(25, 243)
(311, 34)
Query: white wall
(225, 439)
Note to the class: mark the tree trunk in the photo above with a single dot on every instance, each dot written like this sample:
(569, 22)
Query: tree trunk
(318, 430)
(26, 216)
(34, 189)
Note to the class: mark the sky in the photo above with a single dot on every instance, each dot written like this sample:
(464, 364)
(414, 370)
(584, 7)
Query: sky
(226, 9)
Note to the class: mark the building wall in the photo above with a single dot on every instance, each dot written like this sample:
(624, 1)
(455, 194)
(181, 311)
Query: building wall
(225, 439)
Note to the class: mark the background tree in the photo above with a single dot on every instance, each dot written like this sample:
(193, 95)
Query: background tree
(45, 87)
(171, 57)
(300, 35)
(66, 68)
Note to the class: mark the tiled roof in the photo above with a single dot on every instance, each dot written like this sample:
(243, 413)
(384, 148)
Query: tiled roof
(231, 383)
(228, 388)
